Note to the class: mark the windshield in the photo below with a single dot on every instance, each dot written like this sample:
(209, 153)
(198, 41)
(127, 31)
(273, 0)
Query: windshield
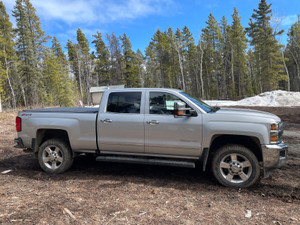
(207, 108)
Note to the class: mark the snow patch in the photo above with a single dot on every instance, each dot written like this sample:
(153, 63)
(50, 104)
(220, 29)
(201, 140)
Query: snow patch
(272, 98)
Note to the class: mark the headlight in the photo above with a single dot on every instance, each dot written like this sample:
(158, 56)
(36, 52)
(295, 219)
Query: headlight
(274, 126)
(276, 133)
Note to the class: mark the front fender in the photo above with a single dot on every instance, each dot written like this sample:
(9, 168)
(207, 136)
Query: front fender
(215, 128)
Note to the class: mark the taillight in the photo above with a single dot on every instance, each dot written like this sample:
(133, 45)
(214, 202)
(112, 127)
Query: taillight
(18, 124)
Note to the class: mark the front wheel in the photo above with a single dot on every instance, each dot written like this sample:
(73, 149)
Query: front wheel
(55, 156)
(235, 166)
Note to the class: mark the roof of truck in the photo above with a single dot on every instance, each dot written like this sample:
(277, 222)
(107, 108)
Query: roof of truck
(142, 89)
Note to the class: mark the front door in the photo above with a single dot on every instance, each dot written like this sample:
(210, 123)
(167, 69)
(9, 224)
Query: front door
(167, 135)
(121, 125)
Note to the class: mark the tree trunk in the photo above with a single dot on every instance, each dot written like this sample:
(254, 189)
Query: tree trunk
(286, 70)
(180, 64)
(79, 76)
(24, 95)
(201, 68)
(181, 71)
(232, 71)
(197, 78)
(297, 68)
(297, 65)
(10, 85)
(87, 81)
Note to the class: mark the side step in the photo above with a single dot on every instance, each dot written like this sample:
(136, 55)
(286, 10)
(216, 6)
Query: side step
(150, 161)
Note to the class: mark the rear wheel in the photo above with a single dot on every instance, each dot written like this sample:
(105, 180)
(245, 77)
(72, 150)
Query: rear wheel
(55, 156)
(235, 166)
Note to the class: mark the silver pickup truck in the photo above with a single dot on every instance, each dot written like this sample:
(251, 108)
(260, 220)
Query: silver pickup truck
(160, 127)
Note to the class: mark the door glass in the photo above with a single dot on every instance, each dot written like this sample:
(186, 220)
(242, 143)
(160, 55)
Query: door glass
(124, 102)
(162, 103)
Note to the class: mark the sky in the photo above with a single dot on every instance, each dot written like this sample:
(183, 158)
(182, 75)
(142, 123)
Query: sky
(140, 19)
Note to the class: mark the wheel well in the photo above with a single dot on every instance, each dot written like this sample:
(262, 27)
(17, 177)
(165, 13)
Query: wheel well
(46, 134)
(252, 143)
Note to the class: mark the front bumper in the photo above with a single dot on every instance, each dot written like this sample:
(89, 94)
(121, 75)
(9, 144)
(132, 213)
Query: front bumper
(274, 156)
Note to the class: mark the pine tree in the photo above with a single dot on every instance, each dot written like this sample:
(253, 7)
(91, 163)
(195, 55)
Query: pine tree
(63, 90)
(59, 88)
(200, 54)
(292, 51)
(30, 50)
(268, 61)
(179, 47)
(141, 67)
(58, 52)
(84, 59)
(252, 72)
(191, 62)
(238, 43)
(8, 75)
(162, 47)
(130, 63)
(227, 78)
(102, 60)
(212, 58)
(158, 57)
(75, 64)
(151, 76)
(116, 67)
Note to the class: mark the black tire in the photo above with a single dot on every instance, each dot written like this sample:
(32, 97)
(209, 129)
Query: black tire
(55, 156)
(235, 166)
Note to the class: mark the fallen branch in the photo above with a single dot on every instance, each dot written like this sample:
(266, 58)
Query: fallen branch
(69, 213)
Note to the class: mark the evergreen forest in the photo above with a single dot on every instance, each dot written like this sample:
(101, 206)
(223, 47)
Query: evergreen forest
(226, 61)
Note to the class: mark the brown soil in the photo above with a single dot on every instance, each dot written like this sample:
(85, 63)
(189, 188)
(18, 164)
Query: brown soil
(109, 193)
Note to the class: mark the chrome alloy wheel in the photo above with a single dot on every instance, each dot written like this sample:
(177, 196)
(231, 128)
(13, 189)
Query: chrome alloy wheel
(52, 157)
(235, 168)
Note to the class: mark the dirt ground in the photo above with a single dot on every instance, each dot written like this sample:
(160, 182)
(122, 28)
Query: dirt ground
(109, 193)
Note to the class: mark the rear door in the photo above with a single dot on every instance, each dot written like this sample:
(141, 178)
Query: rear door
(121, 125)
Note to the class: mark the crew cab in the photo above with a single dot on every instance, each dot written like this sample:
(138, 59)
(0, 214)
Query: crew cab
(157, 126)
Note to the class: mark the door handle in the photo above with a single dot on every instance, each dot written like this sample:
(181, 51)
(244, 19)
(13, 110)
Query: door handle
(106, 121)
(152, 122)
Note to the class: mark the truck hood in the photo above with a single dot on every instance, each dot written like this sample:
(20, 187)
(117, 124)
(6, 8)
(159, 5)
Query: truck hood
(246, 115)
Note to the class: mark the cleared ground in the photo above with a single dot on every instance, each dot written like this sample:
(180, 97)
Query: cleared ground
(110, 193)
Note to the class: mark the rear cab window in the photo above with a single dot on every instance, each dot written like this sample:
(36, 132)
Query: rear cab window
(124, 102)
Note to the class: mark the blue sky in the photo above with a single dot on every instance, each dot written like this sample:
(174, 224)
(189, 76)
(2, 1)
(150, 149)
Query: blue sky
(140, 19)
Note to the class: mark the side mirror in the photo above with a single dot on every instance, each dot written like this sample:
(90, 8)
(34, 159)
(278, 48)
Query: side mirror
(181, 111)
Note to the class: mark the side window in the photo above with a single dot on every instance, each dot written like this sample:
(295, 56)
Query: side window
(162, 103)
(124, 102)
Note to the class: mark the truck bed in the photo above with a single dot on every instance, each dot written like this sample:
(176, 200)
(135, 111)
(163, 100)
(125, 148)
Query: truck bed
(64, 110)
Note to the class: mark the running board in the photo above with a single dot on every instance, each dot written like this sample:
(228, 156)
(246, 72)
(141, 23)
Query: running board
(161, 162)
